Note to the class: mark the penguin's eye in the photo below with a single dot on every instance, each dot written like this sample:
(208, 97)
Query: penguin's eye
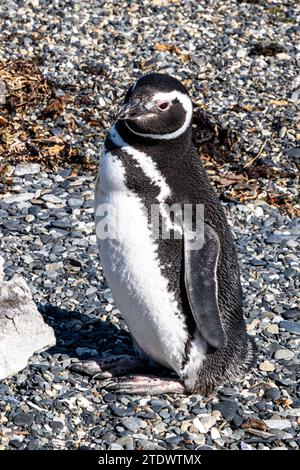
(163, 105)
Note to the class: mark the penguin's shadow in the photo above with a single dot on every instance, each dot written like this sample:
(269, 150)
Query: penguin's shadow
(76, 332)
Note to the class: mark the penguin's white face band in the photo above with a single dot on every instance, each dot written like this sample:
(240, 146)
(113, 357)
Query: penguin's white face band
(162, 102)
(160, 115)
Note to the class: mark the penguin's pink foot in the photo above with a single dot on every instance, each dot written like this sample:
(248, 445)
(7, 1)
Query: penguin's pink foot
(108, 367)
(146, 385)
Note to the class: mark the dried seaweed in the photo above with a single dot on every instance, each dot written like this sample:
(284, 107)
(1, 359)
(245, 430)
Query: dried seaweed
(25, 85)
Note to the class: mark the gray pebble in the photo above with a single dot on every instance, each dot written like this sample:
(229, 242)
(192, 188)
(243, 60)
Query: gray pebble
(291, 327)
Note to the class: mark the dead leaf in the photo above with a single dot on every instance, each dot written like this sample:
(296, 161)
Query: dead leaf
(54, 109)
(285, 402)
(184, 57)
(167, 48)
(241, 107)
(3, 169)
(254, 423)
(3, 121)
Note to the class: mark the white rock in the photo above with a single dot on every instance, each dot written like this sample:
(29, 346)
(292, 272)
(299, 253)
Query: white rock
(29, 218)
(278, 423)
(259, 212)
(266, 366)
(15, 198)
(52, 198)
(245, 446)
(284, 354)
(22, 328)
(28, 169)
(214, 433)
(84, 403)
(283, 56)
(198, 425)
(273, 329)
(242, 52)
(54, 266)
(205, 423)
(91, 291)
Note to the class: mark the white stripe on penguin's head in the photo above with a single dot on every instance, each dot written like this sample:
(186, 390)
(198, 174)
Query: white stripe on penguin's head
(185, 102)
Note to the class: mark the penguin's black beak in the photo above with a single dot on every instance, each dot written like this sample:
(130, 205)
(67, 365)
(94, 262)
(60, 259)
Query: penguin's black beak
(132, 110)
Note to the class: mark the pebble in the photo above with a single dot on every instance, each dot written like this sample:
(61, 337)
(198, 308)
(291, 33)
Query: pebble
(291, 327)
(75, 202)
(52, 198)
(227, 409)
(125, 442)
(266, 366)
(17, 198)
(273, 329)
(115, 447)
(286, 354)
(28, 169)
(291, 314)
(133, 423)
(23, 419)
(272, 394)
(278, 423)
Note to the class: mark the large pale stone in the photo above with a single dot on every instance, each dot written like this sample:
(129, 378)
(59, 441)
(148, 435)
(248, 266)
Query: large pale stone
(22, 328)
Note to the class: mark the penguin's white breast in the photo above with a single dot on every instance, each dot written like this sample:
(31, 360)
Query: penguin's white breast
(131, 266)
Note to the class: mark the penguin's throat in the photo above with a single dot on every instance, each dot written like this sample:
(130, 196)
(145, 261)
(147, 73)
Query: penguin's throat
(127, 137)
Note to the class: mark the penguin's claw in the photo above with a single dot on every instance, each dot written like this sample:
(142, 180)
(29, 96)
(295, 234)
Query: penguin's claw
(146, 385)
(107, 367)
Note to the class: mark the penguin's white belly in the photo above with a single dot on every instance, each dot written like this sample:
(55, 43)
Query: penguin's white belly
(131, 266)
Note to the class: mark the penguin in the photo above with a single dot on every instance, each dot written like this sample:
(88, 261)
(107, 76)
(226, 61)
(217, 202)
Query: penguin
(179, 294)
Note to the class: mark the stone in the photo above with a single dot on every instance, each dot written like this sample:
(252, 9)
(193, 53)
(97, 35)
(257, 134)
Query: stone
(284, 354)
(214, 434)
(61, 223)
(273, 329)
(259, 212)
(125, 441)
(54, 266)
(91, 291)
(291, 314)
(266, 366)
(29, 218)
(86, 352)
(133, 423)
(75, 202)
(17, 198)
(204, 424)
(24, 419)
(228, 409)
(115, 447)
(52, 199)
(291, 327)
(22, 328)
(272, 394)
(278, 423)
(28, 169)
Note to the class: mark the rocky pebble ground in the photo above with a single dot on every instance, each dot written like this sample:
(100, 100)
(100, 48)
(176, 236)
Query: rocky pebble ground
(241, 61)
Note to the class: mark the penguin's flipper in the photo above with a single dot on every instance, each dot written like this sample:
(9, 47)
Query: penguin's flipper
(200, 265)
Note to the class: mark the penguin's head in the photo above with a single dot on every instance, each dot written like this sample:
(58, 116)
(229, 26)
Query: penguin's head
(157, 106)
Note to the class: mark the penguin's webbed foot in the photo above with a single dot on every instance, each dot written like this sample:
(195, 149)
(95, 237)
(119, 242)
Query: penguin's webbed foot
(146, 385)
(108, 367)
